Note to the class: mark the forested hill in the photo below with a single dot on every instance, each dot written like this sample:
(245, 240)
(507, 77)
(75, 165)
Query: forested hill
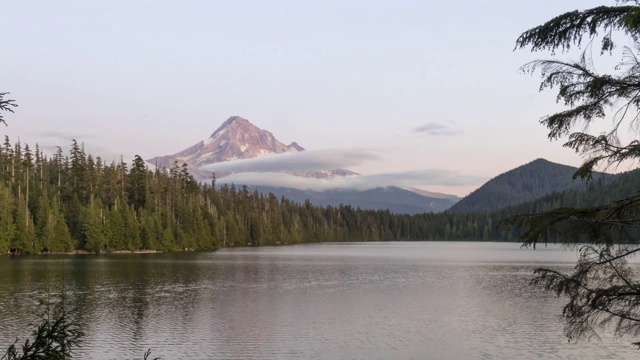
(598, 192)
(525, 183)
(75, 201)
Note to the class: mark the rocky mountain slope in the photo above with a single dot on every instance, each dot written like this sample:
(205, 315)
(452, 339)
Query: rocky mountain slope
(235, 139)
(238, 139)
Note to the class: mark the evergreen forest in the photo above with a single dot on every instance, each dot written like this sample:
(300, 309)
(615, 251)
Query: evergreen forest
(525, 183)
(75, 202)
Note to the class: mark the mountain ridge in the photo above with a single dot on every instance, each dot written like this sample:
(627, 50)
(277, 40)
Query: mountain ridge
(392, 198)
(524, 183)
(236, 138)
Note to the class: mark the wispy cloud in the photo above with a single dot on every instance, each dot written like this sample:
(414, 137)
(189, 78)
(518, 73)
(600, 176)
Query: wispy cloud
(269, 171)
(50, 140)
(309, 160)
(436, 129)
(358, 182)
(65, 137)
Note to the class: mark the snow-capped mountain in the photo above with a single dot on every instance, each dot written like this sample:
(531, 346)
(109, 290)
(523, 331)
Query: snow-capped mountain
(238, 139)
(235, 139)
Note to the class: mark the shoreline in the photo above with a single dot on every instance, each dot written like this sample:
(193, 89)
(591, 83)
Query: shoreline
(84, 252)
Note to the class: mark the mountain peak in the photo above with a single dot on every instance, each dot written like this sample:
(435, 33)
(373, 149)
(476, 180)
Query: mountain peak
(527, 182)
(237, 120)
(294, 146)
(236, 138)
(234, 121)
(540, 161)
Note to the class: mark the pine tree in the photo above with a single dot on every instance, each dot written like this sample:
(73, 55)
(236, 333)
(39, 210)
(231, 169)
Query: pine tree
(58, 238)
(7, 224)
(25, 234)
(138, 183)
(93, 227)
(602, 290)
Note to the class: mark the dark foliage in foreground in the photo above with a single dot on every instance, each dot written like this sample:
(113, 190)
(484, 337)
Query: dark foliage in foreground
(54, 338)
(603, 290)
(57, 335)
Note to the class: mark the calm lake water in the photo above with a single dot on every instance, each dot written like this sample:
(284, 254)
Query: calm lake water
(401, 300)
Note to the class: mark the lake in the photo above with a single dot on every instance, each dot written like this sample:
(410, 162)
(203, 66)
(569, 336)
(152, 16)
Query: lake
(395, 300)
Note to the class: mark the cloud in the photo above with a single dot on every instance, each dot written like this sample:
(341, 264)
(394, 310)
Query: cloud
(423, 177)
(308, 160)
(407, 179)
(50, 140)
(436, 129)
(269, 171)
(64, 136)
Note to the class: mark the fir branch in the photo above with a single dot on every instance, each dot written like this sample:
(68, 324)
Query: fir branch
(6, 105)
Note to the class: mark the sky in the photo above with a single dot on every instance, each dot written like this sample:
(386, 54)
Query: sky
(422, 88)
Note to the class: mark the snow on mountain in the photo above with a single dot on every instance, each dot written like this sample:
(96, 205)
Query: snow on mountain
(238, 139)
(235, 139)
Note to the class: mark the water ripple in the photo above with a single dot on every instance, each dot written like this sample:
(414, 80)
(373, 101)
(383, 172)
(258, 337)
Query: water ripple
(327, 301)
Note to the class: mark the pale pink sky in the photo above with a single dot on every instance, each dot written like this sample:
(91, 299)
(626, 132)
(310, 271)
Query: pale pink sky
(427, 86)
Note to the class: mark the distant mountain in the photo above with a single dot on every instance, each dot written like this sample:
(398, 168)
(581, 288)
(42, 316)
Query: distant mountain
(601, 191)
(435, 195)
(525, 183)
(236, 138)
(394, 199)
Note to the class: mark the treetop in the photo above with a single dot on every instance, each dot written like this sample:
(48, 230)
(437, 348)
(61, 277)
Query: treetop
(568, 29)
